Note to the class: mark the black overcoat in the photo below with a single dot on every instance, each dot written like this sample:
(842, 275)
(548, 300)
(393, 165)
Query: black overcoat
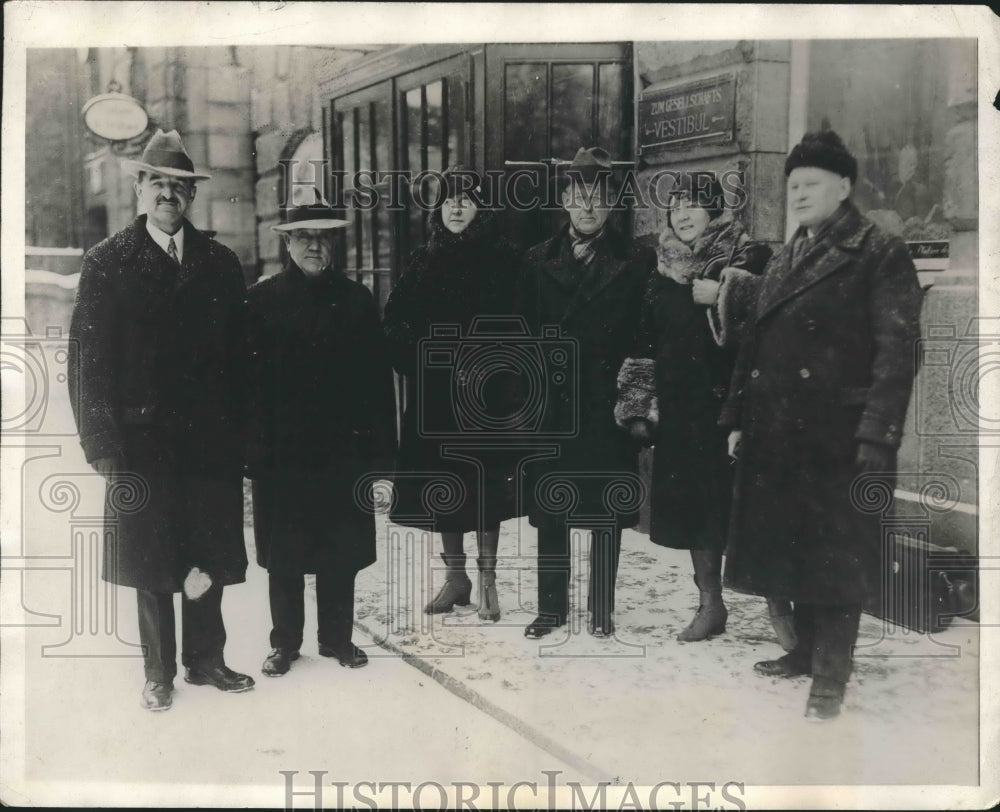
(457, 284)
(321, 420)
(591, 313)
(156, 374)
(828, 361)
(691, 484)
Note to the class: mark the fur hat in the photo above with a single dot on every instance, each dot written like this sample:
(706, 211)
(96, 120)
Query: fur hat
(824, 150)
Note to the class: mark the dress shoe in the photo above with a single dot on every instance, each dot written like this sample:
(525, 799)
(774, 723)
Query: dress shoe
(825, 698)
(543, 625)
(455, 591)
(278, 662)
(785, 666)
(348, 655)
(606, 629)
(222, 677)
(156, 695)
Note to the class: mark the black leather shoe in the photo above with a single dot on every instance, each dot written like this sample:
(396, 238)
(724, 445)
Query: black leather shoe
(606, 629)
(156, 695)
(278, 662)
(786, 666)
(222, 677)
(349, 655)
(543, 625)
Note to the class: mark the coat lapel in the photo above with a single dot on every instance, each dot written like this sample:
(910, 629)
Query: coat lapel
(603, 271)
(829, 254)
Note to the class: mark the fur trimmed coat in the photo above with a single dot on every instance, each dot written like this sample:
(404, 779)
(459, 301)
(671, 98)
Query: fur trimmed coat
(156, 380)
(321, 419)
(680, 380)
(828, 362)
(452, 285)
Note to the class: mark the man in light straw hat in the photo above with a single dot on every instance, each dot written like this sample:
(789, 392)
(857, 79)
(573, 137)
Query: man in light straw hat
(157, 387)
(322, 417)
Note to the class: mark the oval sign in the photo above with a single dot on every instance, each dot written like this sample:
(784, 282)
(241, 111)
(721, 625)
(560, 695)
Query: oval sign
(115, 116)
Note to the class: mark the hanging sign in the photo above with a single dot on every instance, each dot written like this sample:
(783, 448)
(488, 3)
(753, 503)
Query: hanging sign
(687, 115)
(115, 116)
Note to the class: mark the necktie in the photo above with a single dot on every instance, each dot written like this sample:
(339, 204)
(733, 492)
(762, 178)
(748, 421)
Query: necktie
(172, 251)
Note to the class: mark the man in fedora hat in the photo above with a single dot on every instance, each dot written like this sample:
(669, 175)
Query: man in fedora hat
(321, 418)
(157, 387)
(589, 281)
(816, 408)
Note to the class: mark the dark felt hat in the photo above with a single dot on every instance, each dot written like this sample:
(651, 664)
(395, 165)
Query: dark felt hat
(824, 150)
(459, 178)
(588, 165)
(702, 189)
(165, 155)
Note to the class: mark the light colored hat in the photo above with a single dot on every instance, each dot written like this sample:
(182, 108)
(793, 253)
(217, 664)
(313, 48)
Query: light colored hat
(316, 215)
(165, 155)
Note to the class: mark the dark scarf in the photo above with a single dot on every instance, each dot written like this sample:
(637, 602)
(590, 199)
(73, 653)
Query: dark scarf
(584, 246)
(802, 242)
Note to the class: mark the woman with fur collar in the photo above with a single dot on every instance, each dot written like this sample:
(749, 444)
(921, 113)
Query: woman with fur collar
(465, 271)
(692, 320)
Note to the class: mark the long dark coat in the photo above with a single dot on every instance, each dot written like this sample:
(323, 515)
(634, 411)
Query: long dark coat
(827, 362)
(321, 419)
(449, 283)
(592, 314)
(691, 487)
(156, 379)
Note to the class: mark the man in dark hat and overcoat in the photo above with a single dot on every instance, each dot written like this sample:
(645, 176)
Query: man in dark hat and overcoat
(321, 419)
(157, 387)
(586, 283)
(816, 408)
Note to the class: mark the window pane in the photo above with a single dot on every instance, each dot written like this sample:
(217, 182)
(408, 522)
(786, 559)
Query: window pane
(610, 109)
(364, 162)
(413, 135)
(572, 109)
(526, 112)
(350, 166)
(435, 128)
(456, 120)
(888, 101)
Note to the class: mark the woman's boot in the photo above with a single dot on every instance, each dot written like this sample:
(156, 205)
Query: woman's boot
(710, 619)
(783, 622)
(489, 604)
(457, 588)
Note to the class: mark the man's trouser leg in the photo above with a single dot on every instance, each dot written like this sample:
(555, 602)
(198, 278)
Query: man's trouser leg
(286, 594)
(203, 634)
(553, 569)
(157, 634)
(335, 607)
(605, 549)
(835, 636)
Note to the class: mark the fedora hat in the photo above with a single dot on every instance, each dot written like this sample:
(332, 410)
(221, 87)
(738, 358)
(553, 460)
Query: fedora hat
(165, 155)
(315, 215)
(589, 164)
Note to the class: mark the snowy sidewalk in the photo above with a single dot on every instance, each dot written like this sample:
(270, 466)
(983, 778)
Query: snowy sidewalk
(642, 707)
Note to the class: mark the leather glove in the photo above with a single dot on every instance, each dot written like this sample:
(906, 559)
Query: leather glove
(872, 458)
(107, 466)
(641, 432)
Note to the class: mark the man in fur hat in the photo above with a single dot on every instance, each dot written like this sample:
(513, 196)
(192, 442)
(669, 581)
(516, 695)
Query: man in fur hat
(816, 408)
(589, 281)
(156, 383)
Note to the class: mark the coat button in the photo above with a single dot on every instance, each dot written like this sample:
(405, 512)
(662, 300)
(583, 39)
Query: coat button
(804, 373)
(755, 373)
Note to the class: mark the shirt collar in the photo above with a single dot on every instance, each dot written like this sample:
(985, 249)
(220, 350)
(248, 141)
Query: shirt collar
(162, 239)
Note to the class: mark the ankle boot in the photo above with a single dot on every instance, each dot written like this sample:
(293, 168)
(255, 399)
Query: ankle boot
(489, 604)
(457, 587)
(710, 619)
(783, 622)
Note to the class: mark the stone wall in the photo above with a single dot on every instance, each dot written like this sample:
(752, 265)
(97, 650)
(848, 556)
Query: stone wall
(760, 142)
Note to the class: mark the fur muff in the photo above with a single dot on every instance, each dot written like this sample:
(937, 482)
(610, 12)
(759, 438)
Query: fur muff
(636, 392)
(728, 317)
